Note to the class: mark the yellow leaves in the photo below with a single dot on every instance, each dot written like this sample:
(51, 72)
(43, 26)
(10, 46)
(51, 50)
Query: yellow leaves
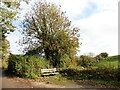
(8, 22)
(12, 4)
(46, 43)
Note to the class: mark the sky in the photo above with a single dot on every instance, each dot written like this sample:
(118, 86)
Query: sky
(97, 20)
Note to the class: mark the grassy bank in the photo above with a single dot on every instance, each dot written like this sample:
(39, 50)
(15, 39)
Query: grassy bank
(109, 62)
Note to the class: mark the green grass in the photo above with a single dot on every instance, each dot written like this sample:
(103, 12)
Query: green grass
(109, 62)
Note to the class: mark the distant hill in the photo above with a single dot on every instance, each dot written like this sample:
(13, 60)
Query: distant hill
(111, 61)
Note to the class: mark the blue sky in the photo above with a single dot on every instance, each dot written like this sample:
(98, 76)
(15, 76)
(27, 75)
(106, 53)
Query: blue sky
(97, 20)
(91, 8)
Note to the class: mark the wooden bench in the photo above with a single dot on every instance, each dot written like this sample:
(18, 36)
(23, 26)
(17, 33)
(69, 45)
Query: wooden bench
(51, 71)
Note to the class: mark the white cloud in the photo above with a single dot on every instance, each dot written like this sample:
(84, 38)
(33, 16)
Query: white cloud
(72, 8)
(100, 32)
(106, 4)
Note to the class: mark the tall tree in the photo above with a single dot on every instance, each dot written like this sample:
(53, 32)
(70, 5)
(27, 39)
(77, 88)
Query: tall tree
(48, 31)
(5, 52)
(8, 13)
(0, 45)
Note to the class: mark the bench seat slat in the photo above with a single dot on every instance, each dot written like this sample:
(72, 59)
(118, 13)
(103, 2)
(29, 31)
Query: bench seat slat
(49, 71)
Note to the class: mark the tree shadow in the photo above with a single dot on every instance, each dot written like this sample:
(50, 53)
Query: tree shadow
(6, 73)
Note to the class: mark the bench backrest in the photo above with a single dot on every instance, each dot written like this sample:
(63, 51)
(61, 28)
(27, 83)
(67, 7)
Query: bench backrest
(48, 70)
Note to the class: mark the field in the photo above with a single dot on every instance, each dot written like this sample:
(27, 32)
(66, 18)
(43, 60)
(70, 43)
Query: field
(110, 62)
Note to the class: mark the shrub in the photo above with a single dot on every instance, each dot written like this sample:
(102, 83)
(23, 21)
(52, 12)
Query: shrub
(101, 56)
(5, 61)
(104, 55)
(107, 74)
(65, 61)
(26, 66)
(30, 75)
(86, 61)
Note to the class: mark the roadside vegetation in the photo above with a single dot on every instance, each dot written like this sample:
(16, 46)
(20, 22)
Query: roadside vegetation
(30, 66)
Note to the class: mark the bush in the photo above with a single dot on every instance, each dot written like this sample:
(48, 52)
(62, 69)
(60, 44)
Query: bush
(104, 55)
(101, 56)
(26, 66)
(107, 74)
(5, 62)
(86, 61)
(65, 61)
(30, 75)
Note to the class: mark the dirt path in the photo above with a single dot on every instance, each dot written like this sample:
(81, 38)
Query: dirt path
(15, 82)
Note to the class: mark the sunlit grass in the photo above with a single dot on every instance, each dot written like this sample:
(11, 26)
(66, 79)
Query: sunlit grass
(110, 62)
